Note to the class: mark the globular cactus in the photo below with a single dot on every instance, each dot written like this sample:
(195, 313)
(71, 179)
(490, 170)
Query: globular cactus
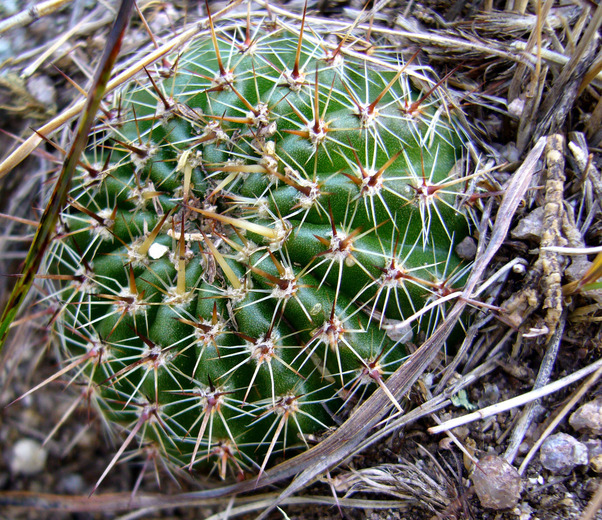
(244, 228)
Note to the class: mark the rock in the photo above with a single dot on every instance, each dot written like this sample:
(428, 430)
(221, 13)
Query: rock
(28, 457)
(594, 454)
(497, 483)
(530, 226)
(516, 107)
(595, 463)
(72, 484)
(560, 453)
(9, 7)
(467, 249)
(594, 447)
(588, 417)
(42, 89)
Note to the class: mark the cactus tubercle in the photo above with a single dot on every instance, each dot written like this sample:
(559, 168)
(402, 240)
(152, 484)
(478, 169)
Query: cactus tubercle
(243, 231)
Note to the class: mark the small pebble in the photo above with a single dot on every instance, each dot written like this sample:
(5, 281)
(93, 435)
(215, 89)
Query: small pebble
(594, 447)
(594, 454)
(588, 417)
(560, 453)
(516, 107)
(511, 153)
(42, 89)
(497, 483)
(72, 484)
(9, 7)
(595, 463)
(490, 395)
(530, 226)
(28, 457)
(467, 249)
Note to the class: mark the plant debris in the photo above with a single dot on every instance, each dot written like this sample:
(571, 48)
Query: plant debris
(527, 78)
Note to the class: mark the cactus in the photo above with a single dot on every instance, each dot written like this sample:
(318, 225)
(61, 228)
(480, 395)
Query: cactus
(246, 225)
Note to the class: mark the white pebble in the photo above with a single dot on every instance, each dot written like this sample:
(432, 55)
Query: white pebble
(28, 457)
(156, 251)
(588, 417)
(560, 453)
(516, 107)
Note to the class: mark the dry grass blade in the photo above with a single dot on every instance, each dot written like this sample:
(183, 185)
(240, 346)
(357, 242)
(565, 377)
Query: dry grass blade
(589, 279)
(32, 142)
(543, 376)
(58, 198)
(536, 83)
(342, 443)
(518, 400)
(32, 69)
(565, 89)
(31, 14)
(594, 506)
(552, 74)
(586, 41)
(585, 387)
(143, 505)
(342, 503)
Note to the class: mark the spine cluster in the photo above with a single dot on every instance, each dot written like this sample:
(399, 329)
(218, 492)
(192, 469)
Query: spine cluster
(245, 226)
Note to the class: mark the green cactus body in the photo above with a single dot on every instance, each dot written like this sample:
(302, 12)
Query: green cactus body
(245, 229)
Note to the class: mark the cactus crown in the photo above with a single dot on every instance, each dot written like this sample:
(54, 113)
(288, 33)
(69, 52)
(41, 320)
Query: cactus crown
(242, 229)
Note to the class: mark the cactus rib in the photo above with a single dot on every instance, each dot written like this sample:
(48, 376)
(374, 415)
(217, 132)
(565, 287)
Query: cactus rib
(244, 228)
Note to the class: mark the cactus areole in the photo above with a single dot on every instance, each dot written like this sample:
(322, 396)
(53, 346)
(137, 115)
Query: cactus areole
(242, 233)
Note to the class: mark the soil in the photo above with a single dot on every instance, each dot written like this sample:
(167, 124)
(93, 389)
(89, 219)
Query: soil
(424, 475)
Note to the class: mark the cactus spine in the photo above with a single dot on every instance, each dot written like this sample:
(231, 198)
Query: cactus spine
(243, 228)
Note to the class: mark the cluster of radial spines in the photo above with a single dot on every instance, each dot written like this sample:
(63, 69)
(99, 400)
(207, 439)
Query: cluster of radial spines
(259, 119)
(187, 223)
(136, 367)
